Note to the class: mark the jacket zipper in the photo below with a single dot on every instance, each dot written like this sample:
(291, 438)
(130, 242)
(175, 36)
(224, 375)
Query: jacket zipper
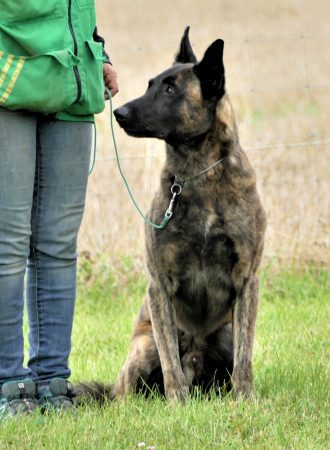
(75, 51)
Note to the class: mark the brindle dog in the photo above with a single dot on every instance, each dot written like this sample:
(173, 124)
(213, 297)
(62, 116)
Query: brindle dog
(197, 323)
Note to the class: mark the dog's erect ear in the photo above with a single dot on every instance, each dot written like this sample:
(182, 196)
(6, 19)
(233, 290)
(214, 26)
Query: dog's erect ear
(185, 53)
(211, 72)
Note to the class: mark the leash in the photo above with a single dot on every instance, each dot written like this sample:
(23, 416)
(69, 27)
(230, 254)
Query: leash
(176, 187)
(169, 211)
(94, 152)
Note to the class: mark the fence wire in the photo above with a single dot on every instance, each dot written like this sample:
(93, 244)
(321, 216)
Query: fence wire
(283, 115)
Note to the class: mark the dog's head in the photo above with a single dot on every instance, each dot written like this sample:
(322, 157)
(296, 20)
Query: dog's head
(179, 104)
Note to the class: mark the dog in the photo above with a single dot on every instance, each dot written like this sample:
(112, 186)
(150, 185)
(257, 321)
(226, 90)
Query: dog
(197, 323)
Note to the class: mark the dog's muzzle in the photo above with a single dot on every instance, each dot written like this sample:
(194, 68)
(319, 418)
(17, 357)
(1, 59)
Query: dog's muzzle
(121, 114)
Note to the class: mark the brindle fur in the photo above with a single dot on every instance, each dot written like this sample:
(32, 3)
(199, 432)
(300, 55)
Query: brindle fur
(197, 323)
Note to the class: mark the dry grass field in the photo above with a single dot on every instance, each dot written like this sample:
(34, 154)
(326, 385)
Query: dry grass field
(277, 71)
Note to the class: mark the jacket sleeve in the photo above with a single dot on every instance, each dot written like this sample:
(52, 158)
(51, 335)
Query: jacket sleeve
(98, 38)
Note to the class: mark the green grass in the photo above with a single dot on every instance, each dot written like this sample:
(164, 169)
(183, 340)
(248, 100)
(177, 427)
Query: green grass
(290, 408)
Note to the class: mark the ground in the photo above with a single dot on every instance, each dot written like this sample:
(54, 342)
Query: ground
(290, 408)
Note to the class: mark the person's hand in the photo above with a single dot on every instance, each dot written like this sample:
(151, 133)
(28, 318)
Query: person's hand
(110, 80)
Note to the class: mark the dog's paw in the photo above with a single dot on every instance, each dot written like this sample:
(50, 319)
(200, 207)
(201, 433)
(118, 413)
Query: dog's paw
(177, 393)
(242, 380)
(242, 390)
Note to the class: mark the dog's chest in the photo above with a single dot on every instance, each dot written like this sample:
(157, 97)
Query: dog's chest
(202, 299)
(203, 239)
(198, 238)
(198, 257)
(206, 227)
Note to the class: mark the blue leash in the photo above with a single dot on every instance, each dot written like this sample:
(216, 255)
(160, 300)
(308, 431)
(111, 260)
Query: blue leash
(176, 188)
(169, 211)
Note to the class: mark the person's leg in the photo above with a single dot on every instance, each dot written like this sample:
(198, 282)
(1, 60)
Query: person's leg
(63, 155)
(17, 169)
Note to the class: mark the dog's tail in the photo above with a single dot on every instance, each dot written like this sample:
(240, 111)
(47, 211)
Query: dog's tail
(95, 391)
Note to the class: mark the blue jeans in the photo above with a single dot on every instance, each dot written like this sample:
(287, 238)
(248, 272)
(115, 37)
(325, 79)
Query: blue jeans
(43, 179)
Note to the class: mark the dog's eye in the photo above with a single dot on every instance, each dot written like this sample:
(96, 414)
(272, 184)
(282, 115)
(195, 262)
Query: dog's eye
(170, 90)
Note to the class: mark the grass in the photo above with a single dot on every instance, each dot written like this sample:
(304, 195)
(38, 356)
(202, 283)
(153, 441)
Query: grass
(290, 408)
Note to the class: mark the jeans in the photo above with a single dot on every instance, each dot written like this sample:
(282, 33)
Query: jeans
(44, 167)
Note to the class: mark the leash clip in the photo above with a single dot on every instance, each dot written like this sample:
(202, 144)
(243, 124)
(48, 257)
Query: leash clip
(176, 190)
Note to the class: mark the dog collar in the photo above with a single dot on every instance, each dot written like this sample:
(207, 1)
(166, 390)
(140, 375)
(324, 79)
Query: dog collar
(178, 184)
(181, 181)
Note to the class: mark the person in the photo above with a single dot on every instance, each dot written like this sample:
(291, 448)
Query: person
(53, 68)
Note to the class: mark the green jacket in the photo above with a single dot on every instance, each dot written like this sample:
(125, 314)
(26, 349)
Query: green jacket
(49, 62)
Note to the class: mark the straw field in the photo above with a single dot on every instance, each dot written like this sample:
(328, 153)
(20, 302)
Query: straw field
(277, 72)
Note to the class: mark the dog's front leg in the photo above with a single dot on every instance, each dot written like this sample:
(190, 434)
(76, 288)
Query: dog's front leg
(166, 337)
(244, 320)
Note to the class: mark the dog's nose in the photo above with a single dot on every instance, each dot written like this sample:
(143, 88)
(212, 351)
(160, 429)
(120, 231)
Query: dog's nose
(121, 113)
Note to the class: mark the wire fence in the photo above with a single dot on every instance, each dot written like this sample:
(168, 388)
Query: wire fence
(279, 86)
(321, 143)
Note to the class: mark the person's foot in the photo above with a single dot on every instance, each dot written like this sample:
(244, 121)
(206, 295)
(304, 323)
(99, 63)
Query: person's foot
(18, 398)
(57, 396)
